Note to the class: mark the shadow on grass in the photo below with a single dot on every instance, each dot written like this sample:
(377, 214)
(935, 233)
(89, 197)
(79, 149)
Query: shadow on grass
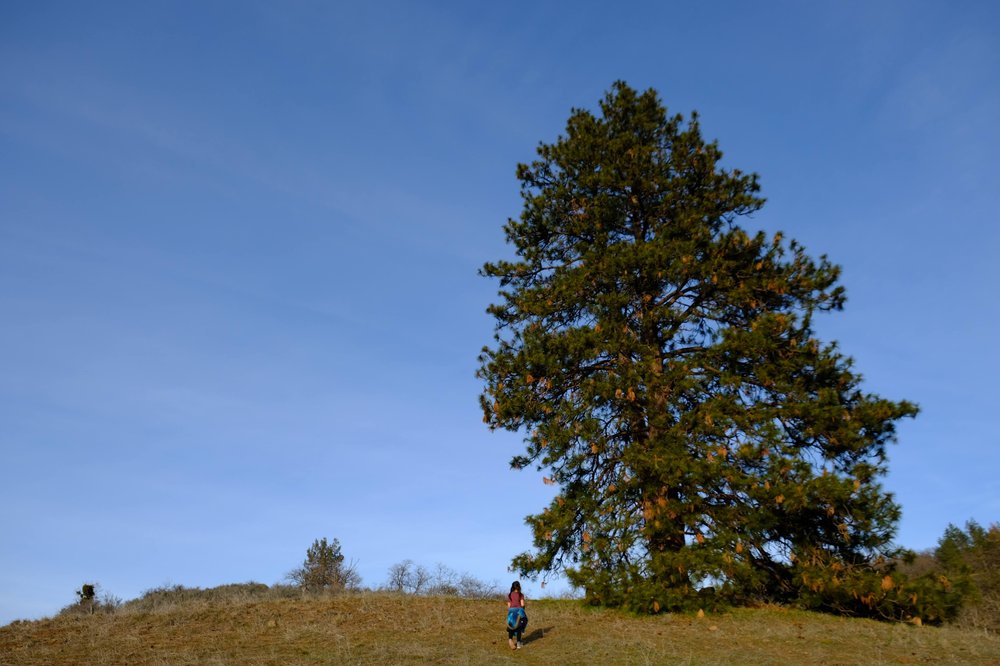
(537, 634)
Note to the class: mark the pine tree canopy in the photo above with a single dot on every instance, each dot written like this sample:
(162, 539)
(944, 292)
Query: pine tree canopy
(661, 363)
(323, 568)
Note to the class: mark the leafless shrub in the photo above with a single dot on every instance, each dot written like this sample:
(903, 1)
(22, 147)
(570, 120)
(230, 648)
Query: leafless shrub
(171, 596)
(92, 600)
(410, 578)
(446, 581)
(471, 587)
(110, 602)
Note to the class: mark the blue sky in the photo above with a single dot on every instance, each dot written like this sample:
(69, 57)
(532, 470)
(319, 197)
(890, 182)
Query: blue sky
(239, 307)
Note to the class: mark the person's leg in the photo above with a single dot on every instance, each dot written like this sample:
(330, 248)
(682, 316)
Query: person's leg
(510, 638)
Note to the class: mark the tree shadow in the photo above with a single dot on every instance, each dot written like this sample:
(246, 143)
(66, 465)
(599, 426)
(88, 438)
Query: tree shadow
(535, 635)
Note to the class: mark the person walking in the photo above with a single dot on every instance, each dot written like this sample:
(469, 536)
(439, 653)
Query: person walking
(517, 618)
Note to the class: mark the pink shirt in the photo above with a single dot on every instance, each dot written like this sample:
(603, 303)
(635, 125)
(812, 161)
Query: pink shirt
(515, 600)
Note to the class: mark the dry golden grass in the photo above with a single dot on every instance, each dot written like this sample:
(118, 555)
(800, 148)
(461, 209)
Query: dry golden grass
(378, 628)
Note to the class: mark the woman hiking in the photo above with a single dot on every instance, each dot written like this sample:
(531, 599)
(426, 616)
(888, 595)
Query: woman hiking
(517, 619)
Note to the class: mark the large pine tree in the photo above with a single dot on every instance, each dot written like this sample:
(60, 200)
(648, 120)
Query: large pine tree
(660, 361)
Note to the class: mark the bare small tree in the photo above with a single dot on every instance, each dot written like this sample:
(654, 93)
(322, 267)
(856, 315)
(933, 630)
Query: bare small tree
(446, 581)
(421, 579)
(399, 574)
(471, 587)
(409, 578)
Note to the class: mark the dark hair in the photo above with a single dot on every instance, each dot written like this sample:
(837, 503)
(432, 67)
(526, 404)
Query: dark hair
(516, 585)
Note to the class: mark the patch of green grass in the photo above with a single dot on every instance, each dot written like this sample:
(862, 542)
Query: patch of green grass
(382, 628)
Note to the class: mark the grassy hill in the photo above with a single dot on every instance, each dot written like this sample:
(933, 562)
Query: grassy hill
(382, 628)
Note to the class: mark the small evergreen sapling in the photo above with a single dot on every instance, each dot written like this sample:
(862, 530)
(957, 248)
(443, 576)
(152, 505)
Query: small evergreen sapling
(323, 569)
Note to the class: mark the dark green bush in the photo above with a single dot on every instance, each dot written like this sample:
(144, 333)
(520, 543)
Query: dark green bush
(969, 560)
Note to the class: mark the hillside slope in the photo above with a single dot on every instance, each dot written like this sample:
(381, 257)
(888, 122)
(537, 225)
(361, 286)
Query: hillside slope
(377, 628)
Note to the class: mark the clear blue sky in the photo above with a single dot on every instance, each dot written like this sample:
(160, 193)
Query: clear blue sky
(239, 307)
